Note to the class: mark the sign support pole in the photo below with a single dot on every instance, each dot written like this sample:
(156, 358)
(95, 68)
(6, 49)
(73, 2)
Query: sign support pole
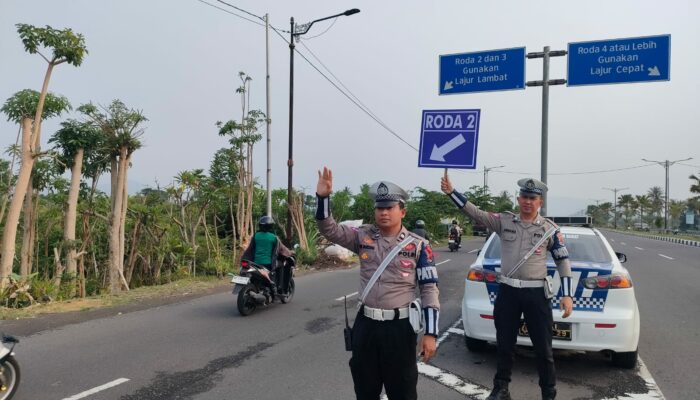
(545, 83)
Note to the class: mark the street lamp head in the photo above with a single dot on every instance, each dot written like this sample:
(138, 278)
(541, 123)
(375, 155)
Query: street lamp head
(351, 12)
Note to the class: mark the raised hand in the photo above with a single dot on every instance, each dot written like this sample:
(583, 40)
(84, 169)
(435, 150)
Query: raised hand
(324, 187)
(445, 184)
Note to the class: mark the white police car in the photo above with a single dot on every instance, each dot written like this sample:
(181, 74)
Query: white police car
(605, 316)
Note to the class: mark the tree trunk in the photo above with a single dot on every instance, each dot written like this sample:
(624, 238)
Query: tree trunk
(10, 169)
(116, 265)
(7, 248)
(27, 250)
(71, 219)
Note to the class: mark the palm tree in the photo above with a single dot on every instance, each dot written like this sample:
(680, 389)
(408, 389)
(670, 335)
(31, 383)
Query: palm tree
(644, 204)
(626, 201)
(695, 187)
(656, 198)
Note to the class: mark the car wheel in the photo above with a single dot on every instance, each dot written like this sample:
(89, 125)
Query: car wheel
(475, 345)
(627, 360)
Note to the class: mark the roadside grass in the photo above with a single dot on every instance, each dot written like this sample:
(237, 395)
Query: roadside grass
(668, 235)
(181, 287)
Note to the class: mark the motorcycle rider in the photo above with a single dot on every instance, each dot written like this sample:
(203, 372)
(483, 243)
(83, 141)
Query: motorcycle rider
(265, 249)
(456, 231)
(420, 230)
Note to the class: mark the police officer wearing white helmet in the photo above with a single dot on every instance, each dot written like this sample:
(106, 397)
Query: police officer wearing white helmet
(524, 286)
(385, 331)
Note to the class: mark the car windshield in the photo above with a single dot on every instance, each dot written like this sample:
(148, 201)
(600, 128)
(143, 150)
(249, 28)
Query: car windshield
(588, 248)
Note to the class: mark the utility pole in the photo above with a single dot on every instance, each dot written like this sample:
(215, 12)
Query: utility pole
(545, 83)
(615, 190)
(268, 118)
(486, 177)
(666, 164)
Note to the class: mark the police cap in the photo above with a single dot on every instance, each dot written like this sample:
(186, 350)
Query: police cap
(386, 194)
(530, 186)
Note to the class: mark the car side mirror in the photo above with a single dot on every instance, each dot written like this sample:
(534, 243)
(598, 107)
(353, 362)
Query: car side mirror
(478, 252)
(621, 257)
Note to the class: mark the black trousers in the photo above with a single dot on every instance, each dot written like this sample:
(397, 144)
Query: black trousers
(511, 303)
(384, 354)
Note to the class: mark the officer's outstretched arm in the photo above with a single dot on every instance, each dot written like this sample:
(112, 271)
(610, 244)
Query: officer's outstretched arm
(428, 285)
(561, 258)
(491, 220)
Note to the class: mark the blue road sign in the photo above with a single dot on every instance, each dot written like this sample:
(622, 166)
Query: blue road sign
(449, 138)
(640, 59)
(482, 71)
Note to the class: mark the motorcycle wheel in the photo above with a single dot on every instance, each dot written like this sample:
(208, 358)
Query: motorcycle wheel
(246, 304)
(290, 293)
(9, 369)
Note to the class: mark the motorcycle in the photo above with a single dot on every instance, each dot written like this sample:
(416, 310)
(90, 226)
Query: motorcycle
(452, 243)
(9, 368)
(254, 285)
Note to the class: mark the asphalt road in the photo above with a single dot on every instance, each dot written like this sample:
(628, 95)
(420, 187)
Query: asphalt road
(202, 348)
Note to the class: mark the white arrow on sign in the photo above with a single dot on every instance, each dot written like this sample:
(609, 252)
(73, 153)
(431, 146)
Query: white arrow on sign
(438, 153)
(654, 71)
(448, 85)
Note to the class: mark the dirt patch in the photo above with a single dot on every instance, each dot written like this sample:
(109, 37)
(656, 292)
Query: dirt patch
(325, 262)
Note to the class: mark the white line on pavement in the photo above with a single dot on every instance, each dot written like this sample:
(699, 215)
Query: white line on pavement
(456, 331)
(471, 389)
(654, 392)
(348, 296)
(442, 262)
(623, 243)
(638, 248)
(472, 251)
(97, 389)
(452, 381)
(670, 258)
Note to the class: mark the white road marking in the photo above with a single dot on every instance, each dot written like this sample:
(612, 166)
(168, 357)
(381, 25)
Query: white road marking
(623, 243)
(348, 296)
(638, 248)
(670, 258)
(461, 386)
(612, 240)
(442, 262)
(654, 392)
(456, 331)
(452, 381)
(97, 389)
(472, 251)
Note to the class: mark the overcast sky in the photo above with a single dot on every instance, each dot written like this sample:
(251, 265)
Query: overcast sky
(177, 60)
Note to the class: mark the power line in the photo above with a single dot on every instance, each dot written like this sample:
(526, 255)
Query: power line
(689, 165)
(364, 108)
(577, 173)
(327, 29)
(370, 114)
(241, 10)
(232, 13)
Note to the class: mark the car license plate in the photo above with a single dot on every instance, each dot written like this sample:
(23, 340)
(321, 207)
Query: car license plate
(241, 280)
(560, 330)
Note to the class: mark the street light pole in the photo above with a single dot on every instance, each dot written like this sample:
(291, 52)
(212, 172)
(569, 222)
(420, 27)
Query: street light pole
(615, 190)
(666, 164)
(294, 32)
(486, 176)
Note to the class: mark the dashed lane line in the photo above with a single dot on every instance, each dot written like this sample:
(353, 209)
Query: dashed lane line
(442, 262)
(97, 389)
(623, 243)
(665, 256)
(638, 248)
(473, 251)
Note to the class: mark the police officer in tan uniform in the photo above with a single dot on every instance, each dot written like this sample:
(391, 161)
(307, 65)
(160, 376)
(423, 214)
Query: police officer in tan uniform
(522, 292)
(383, 340)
